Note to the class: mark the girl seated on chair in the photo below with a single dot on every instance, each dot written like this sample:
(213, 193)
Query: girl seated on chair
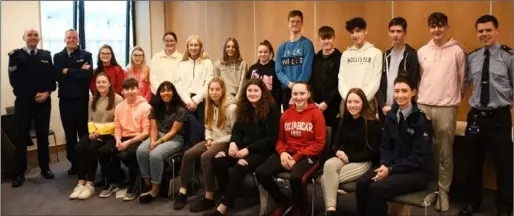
(251, 143)
(405, 154)
(219, 120)
(301, 139)
(167, 117)
(356, 147)
(101, 130)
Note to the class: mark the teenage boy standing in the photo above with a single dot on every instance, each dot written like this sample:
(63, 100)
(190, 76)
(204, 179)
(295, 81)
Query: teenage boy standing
(361, 63)
(443, 62)
(294, 57)
(399, 60)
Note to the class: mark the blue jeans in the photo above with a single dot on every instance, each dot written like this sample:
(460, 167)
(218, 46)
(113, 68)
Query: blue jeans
(151, 163)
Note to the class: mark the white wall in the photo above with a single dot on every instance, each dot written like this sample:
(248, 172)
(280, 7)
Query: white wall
(149, 25)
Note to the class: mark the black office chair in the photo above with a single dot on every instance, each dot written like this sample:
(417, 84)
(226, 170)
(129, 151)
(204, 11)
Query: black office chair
(10, 111)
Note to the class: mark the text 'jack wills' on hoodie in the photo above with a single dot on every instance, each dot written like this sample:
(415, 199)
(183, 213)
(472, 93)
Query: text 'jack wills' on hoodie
(192, 78)
(442, 73)
(360, 68)
(301, 134)
(133, 119)
(294, 61)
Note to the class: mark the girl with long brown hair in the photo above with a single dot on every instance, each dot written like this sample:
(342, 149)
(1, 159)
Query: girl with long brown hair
(106, 62)
(251, 143)
(140, 71)
(231, 68)
(101, 130)
(356, 147)
(219, 120)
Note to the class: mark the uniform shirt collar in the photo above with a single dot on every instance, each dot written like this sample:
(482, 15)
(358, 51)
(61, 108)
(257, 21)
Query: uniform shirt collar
(493, 49)
(27, 49)
(405, 111)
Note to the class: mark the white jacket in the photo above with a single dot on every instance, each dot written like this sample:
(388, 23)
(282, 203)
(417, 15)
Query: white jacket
(219, 135)
(360, 68)
(163, 68)
(192, 78)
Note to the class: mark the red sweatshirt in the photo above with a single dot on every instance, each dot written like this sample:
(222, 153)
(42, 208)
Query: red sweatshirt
(115, 73)
(301, 133)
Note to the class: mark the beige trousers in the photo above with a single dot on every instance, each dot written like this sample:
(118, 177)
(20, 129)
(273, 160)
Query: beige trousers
(444, 123)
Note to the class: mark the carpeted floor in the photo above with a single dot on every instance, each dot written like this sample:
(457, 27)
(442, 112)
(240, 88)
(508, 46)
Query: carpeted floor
(50, 197)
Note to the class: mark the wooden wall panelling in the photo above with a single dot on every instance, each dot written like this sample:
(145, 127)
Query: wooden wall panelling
(271, 20)
(377, 15)
(185, 18)
(504, 12)
(230, 19)
(461, 16)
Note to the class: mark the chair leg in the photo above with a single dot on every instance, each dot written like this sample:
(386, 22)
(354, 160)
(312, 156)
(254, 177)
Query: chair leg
(194, 178)
(56, 148)
(173, 178)
(312, 197)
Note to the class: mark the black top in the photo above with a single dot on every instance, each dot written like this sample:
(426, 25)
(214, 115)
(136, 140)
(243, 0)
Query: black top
(258, 136)
(407, 147)
(351, 138)
(29, 75)
(164, 125)
(266, 73)
(324, 80)
(75, 84)
(409, 63)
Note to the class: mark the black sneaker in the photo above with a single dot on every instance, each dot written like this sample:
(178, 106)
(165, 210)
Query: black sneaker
(131, 193)
(203, 204)
(146, 197)
(214, 212)
(180, 201)
(331, 213)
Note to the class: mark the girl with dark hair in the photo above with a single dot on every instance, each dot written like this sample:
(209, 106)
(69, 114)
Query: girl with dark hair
(231, 68)
(164, 63)
(301, 139)
(405, 154)
(219, 120)
(356, 147)
(106, 62)
(167, 117)
(101, 130)
(264, 69)
(251, 143)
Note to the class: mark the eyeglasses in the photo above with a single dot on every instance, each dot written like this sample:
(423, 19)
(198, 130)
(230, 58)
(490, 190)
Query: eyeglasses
(106, 54)
(169, 41)
(138, 55)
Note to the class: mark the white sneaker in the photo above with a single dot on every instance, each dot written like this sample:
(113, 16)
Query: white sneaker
(76, 191)
(88, 191)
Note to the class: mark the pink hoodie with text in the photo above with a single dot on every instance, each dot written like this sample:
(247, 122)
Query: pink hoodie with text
(442, 73)
(132, 119)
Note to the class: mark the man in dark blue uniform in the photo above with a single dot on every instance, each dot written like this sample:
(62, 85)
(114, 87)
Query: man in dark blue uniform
(32, 76)
(489, 123)
(73, 72)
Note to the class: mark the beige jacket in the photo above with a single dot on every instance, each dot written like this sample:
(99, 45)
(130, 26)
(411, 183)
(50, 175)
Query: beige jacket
(219, 135)
(233, 74)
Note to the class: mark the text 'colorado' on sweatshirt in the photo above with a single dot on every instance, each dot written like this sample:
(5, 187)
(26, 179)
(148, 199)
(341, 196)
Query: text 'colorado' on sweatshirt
(294, 61)
(442, 73)
(301, 134)
(360, 68)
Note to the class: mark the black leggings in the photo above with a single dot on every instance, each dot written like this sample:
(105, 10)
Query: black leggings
(301, 170)
(230, 187)
(372, 196)
(87, 155)
(109, 160)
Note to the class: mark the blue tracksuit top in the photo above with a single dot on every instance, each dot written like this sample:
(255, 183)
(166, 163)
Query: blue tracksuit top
(294, 61)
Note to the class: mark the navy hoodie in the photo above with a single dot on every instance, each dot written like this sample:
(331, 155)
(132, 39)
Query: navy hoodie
(407, 148)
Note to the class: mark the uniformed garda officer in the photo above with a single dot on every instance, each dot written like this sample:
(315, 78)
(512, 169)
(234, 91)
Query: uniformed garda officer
(31, 74)
(73, 72)
(489, 121)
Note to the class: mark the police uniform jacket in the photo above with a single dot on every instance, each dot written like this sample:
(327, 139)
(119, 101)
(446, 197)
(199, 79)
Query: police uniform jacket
(29, 75)
(75, 83)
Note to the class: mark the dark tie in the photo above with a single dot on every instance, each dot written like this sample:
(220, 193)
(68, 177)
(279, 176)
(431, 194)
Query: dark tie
(402, 119)
(484, 92)
(32, 52)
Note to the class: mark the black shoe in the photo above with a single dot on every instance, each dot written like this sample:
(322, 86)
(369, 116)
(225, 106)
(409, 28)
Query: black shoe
(146, 197)
(18, 181)
(468, 210)
(47, 174)
(203, 204)
(214, 212)
(504, 214)
(331, 213)
(72, 171)
(180, 201)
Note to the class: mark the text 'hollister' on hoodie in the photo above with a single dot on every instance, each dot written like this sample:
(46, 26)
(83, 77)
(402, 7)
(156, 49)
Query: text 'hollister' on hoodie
(132, 119)
(301, 134)
(294, 61)
(360, 68)
(442, 73)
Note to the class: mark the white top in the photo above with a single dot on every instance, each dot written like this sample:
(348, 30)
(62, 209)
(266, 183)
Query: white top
(192, 78)
(163, 68)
